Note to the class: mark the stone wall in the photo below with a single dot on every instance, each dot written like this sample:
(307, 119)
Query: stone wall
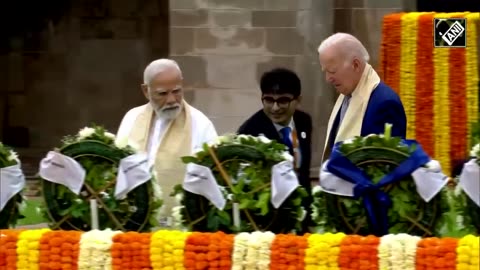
(363, 19)
(84, 65)
(223, 46)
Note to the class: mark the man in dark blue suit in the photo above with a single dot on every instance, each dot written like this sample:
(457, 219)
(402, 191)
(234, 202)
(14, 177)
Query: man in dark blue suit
(365, 103)
(280, 120)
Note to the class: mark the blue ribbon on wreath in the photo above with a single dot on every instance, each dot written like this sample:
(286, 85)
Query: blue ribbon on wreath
(376, 201)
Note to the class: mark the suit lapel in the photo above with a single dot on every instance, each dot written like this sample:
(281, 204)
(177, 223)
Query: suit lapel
(331, 129)
(348, 128)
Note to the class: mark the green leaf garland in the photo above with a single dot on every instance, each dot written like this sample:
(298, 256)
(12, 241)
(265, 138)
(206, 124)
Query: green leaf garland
(248, 161)
(377, 155)
(99, 153)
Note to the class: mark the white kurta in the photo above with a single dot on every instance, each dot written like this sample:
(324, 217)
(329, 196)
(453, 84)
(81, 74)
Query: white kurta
(203, 130)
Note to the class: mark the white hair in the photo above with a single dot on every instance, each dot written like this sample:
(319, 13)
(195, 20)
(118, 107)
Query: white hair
(350, 45)
(158, 66)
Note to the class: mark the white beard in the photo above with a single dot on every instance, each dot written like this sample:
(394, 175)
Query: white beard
(167, 112)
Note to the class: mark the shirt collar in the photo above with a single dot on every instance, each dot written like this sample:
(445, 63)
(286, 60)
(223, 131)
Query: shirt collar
(279, 127)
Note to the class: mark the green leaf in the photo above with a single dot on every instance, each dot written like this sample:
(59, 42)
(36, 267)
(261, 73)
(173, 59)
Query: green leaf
(189, 159)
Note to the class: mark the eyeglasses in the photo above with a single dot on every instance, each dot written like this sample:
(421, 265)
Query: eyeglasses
(282, 102)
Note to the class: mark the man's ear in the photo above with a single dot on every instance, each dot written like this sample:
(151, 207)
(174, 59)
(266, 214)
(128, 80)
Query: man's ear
(145, 90)
(357, 64)
(299, 99)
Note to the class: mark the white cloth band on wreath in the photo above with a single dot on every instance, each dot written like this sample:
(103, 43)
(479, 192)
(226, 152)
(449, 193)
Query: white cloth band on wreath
(12, 181)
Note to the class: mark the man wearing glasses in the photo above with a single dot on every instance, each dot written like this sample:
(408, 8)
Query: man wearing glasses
(167, 127)
(280, 120)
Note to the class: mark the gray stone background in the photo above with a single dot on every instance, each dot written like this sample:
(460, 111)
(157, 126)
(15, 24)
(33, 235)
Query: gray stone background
(87, 66)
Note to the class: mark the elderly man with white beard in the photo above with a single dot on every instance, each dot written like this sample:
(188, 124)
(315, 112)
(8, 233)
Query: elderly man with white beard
(167, 127)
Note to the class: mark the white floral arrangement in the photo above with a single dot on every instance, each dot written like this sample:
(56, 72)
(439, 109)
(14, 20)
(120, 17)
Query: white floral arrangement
(248, 161)
(99, 153)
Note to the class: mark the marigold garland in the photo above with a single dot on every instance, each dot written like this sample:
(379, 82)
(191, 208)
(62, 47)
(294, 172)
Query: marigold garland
(441, 95)
(59, 250)
(468, 249)
(359, 252)
(323, 251)
(131, 250)
(45, 249)
(28, 249)
(390, 54)
(437, 253)
(408, 63)
(288, 252)
(458, 110)
(209, 251)
(8, 249)
(167, 249)
(441, 123)
(472, 73)
(424, 84)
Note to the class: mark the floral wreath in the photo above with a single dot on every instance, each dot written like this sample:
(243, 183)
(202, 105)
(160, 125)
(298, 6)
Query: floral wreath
(248, 161)
(11, 211)
(99, 153)
(376, 156)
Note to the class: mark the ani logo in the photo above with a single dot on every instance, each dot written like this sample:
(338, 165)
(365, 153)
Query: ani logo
(450, 32)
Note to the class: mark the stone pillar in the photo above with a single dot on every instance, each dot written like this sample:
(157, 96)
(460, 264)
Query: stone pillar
(223, 46)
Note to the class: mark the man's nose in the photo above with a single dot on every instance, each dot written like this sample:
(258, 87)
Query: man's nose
(328, 78)
(275, 106)
(171, 98)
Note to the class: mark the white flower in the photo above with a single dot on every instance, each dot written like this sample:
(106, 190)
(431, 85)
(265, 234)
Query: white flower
(177, 216)
(157, 190)
(243, 136)
(302, 215)
(374, 135)
(110, 135)
(264, 139)
(86, 132)
(316, 189)
(134, 145)
(475, 151)
(121, 142)
(434, 166)
(220, 140)
(13, 157)
(179, 198)
(286, 156)
(104, 195)
(240, 247)
(95, 247)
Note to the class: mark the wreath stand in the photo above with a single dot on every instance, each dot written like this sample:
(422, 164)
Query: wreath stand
(391, 158)
(142, 196)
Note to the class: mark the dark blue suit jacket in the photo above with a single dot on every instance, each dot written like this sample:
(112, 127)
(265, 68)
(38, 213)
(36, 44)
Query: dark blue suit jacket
(383, 107)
